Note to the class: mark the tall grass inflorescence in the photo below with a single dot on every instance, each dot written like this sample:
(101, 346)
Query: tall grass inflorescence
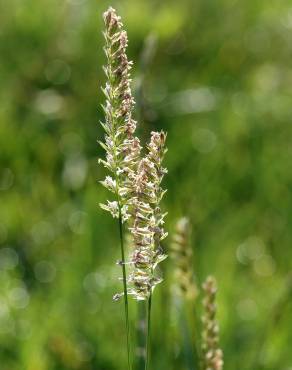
(135, 181)
(121, 146)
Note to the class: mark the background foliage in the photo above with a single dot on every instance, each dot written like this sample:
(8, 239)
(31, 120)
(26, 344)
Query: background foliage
(217, 76)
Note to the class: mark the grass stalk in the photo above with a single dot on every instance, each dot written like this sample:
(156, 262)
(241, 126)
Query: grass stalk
(148, 332)
(141, 336)
(187, 341)
(125, 288)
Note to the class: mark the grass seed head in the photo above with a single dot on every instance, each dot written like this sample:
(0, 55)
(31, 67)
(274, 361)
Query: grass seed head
(148, 220)
(212, 354)
(122, 147)
(182, 256)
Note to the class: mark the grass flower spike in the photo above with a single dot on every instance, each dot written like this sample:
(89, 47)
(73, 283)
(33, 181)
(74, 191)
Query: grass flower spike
(121, 146)
(148, 220)
(212, 354)
(182, 256)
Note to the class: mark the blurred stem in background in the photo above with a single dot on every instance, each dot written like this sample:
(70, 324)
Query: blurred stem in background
(274, 318)
(185, 330)
(146, 58)
(189, 328)
(186, 290)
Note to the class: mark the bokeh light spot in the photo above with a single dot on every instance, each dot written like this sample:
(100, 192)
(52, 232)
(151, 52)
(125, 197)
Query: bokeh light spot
(49, 102)
(204, 140)
(58, 72)
(6, 179)
(19, 297)
(45, 271)
(75, 172)
(247, 309)
(265, 266)
(8, 259)
(193, 101)
(7, 324)
(77, 222)
(251, 249)
(71, 143)
(94, 282)
(42, 232)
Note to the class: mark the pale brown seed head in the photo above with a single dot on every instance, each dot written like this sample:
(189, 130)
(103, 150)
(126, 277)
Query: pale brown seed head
(212, 354)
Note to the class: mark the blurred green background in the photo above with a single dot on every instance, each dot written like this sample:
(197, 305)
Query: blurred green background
(217, 76)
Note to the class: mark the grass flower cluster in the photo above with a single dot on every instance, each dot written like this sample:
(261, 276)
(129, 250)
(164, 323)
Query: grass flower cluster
(121, 146)
(148, 220)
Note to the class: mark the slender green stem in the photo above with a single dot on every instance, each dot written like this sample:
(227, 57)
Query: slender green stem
(187, 341)
(148, 331)
(141, 336)
(125, 288)
(189, 329)
(192, 313)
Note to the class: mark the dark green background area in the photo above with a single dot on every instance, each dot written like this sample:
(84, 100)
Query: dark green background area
(217, 76)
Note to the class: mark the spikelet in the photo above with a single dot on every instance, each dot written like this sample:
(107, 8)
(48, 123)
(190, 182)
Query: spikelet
(147, 228)
(182, 256)
(212, 355)
(121, 146)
